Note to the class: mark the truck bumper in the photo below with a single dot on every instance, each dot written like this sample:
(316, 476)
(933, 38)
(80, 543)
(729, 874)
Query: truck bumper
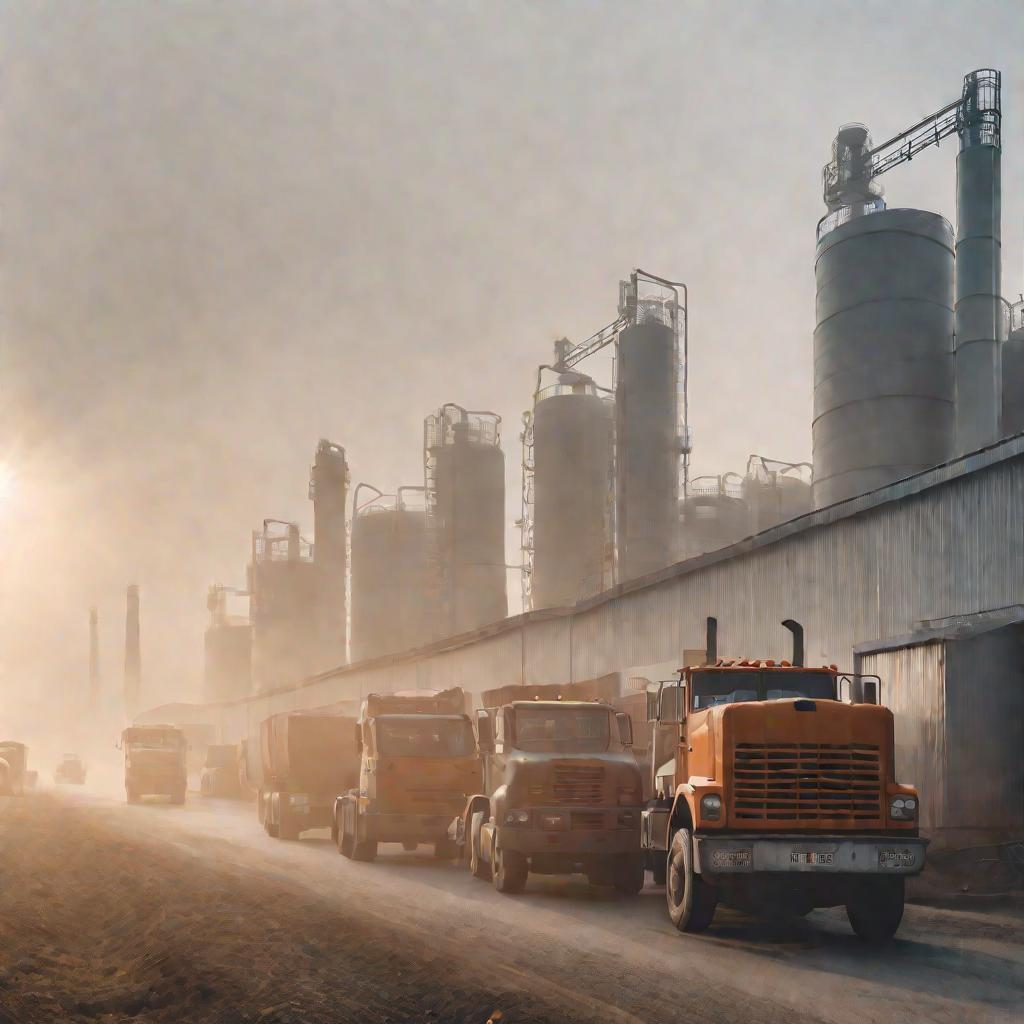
(847, 855)
(398, 828)
(583, 832)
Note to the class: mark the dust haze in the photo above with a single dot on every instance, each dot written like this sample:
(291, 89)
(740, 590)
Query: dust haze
(231, 229)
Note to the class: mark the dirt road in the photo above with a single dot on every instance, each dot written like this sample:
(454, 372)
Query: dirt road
(157, 913)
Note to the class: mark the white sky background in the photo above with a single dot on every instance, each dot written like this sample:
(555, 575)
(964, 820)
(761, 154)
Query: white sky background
(230, 229)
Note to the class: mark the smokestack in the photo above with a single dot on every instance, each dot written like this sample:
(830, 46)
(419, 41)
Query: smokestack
(981, 318)
(328, 490)
(132, 654)
(94, 659)
(711, 641)
(798, 641)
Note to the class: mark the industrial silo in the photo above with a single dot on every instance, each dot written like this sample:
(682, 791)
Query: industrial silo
(883, 351)
(328, 490)
(713, 514)
(1013, 374)
(572, 487)
(647, 445)
(389, 602)
(465, 499)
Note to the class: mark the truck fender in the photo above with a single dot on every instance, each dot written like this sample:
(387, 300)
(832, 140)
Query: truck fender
(459, 831)
(682, 811)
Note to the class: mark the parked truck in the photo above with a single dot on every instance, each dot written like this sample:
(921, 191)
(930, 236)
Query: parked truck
(154, 762)
(308, 757)
(419, 764)
(13, 768)
(562, 792)
(779, 794)
(219, 774)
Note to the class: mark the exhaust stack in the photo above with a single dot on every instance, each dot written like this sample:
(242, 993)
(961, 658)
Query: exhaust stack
(711, 643)
(798, 641)
(132, 654)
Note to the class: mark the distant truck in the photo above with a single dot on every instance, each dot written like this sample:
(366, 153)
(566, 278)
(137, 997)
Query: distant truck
(154, 762)
(70, 770)
(219, 774)
(308, 758)
(14, 775)
(779, 794)
(418, 765)
(562, 792)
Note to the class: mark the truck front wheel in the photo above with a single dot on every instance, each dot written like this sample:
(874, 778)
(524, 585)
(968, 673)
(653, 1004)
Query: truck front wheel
(509, 869)
(691, 901)
(480, 868)
(875, 907)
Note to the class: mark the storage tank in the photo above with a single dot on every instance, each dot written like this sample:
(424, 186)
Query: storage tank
(465, 497)
(389, 600)
(883, 352)
(646, 448)
(713, 514)
(776, 492)
(572, 455)
(1013, 374)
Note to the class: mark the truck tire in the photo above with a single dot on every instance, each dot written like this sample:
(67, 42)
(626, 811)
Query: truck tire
(365, 850)
(875, 908)
(628, 873)
(691, 901)
(477, 865)
(509, 869)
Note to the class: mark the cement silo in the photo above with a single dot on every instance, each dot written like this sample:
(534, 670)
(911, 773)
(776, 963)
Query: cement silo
(464, 477)
(572, 491)
(1013, 374)
(647, 444)
(883, 351)
(713, 514)
(389, 598)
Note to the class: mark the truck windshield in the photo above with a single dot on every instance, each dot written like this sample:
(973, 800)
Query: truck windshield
(155, 742)
(731, 686)
(424, 737)
(547, 728)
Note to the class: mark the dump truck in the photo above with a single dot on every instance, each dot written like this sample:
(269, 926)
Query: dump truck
(219, 774)
(308, 758)
(562, 791)
(419, 764)
(154, 762)
(779, 794)
(13, 768)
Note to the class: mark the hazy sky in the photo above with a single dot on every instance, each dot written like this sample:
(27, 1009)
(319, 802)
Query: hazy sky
(229, 229)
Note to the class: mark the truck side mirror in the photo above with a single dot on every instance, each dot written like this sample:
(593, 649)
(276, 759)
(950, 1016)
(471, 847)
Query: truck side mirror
(673, 703)
(359, 737)
(652, 704)
(485, 733)
(625, 728)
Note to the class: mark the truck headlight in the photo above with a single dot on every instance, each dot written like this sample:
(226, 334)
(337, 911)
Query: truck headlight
(903, 808)
(711, 806)
(517, 818)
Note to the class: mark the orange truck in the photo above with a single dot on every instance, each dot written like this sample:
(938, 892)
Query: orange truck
(779, 794)
(419, 764)
(307, 758)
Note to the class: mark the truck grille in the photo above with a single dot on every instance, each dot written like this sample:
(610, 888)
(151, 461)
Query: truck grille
(572, 784)
(807, 781)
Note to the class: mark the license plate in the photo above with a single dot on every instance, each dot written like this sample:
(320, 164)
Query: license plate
(812, 857)
(730, 859)
(896, 858)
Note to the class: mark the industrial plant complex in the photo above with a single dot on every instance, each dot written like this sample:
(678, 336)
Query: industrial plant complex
(899, 548)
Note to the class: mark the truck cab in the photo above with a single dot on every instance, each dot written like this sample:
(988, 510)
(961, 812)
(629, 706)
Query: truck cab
(562, 795)
(154, 762)
(418, 764)
(780, 794)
